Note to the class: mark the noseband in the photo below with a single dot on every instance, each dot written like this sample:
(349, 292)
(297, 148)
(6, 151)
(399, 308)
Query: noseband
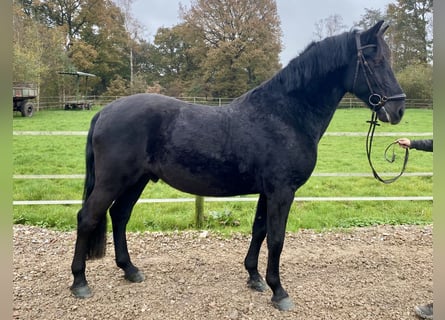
(377, 102)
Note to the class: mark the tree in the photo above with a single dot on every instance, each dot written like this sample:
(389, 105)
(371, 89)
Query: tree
(37, 49)
(144, 61)
(117, 87)
(329, 26)
(71, 14)
(132, 27)
(27, 48)
(241, 40)
(170, 54)
(105, 36)
(370, 18)
(84, 35)
(411, 32)
(176, 56)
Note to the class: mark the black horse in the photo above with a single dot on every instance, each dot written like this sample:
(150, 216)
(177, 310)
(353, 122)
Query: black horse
(264, 142)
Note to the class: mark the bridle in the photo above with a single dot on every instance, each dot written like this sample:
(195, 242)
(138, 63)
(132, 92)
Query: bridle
(377, 102)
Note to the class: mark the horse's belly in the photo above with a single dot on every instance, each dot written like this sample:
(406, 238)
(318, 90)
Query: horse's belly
(217, 184)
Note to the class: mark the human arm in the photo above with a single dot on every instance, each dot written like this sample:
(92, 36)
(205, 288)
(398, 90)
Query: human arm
(423, 145)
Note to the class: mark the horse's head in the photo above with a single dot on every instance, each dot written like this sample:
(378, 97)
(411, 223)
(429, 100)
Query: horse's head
(370, 76)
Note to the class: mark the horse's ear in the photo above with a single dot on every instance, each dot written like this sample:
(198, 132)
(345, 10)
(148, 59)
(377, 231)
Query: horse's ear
(377, 27)
(383, 27)
(370, 35)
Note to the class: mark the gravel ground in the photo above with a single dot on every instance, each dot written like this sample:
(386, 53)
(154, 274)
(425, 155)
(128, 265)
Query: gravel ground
(365, 273)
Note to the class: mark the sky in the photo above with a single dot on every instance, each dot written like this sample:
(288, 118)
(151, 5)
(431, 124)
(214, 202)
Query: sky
(298, 18)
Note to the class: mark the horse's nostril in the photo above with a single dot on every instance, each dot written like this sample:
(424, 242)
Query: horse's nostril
(401, 112)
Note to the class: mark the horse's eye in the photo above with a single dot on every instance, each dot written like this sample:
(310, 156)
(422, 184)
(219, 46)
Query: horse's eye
(370, 51)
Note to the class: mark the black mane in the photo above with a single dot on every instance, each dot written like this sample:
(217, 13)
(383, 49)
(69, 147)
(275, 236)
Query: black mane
(316, 61)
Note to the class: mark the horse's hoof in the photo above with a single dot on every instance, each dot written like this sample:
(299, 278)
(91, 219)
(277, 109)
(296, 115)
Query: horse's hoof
(81, 292)
(135, 277)
(284, 304)
(258, 285)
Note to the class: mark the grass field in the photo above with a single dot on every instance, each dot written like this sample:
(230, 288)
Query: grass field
(44, 154)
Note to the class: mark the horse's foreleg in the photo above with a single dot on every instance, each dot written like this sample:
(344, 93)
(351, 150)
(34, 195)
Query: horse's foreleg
(120, 214)
(259, 232)
(277, 213)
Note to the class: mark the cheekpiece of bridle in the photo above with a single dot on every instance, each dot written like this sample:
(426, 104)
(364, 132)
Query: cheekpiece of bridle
(377, 102)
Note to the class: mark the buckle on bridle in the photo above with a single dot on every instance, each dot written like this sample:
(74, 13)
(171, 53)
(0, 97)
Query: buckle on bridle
(377, 100)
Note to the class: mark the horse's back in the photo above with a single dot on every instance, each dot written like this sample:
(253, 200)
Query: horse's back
(148, 111)
(140, 104)
(151, 133)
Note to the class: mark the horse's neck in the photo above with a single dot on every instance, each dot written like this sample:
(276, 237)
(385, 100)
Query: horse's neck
(307, 92)
(308, 110)
(318, 109)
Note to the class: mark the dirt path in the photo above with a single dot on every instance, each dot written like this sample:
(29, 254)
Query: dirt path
(367, 273)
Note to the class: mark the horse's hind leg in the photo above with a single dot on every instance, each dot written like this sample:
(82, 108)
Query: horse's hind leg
(120, 214)
(90, 242)
(259, 232)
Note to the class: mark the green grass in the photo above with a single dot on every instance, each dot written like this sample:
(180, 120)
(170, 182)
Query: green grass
(49, 154)
(55, 120)
(65, 155)
(354, 120)
(238, 217)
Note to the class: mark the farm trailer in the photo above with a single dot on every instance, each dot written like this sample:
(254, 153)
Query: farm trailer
(22, 94)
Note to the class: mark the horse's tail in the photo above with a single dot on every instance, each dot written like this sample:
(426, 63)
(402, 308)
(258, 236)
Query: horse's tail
(97, 239)
(90, 176)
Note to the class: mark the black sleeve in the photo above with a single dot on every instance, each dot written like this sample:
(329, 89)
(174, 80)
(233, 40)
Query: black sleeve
(424, 145)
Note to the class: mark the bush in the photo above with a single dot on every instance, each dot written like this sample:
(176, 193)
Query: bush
(417, 81)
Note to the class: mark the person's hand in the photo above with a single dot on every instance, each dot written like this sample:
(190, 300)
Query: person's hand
(404, 142)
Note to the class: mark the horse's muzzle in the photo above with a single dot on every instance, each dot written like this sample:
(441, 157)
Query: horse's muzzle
(392, 112)
(388, 109)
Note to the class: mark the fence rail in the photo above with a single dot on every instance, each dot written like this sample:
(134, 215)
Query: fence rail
(46, 103)
(229, 199)
(338, 134)
(235, 198)
(321, 174)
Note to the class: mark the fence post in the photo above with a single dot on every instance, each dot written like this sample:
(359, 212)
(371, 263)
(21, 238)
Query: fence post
(199, 211)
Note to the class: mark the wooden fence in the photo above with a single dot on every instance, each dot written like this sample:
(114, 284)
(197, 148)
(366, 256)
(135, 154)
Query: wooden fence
(46, 103)
(199, 201)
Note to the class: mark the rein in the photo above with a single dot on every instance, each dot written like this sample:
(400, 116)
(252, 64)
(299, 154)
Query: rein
(377, 102)
(372, 125)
